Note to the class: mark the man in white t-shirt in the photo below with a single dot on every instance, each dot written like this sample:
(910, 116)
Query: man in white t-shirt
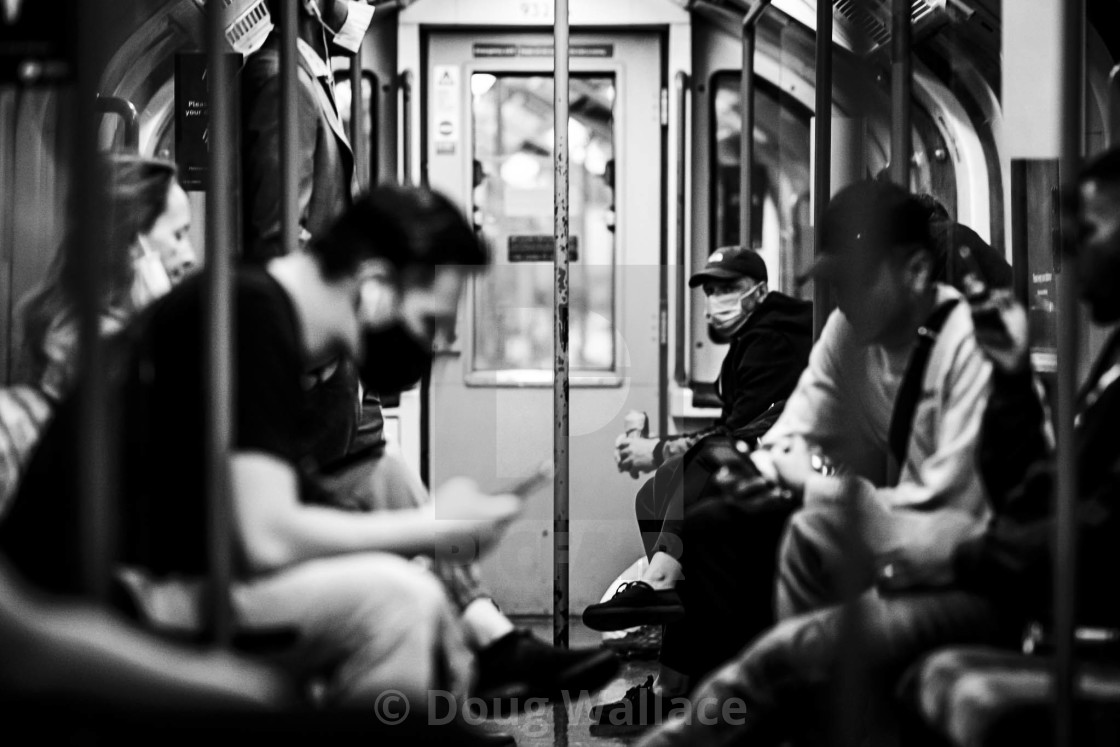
(905, 449)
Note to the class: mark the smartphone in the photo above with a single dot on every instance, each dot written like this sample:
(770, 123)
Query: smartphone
(531, 482)
(986, 317)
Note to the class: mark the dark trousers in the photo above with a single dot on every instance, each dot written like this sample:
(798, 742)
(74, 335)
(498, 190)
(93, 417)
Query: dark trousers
(728, 594)
(731, 558)
(827, 672)
(677, 485)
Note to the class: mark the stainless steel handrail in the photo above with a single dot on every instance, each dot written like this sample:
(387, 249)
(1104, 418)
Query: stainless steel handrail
(822, 150)
(124, 109)
(1071, 31)
(901, 93)
(561, 482)
(97, 473)
(680, 374)
(358, 143)
(220, 223)
(406, 127)
(746, 129)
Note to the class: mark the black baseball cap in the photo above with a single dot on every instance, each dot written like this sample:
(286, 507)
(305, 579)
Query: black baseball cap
(867, 222)
(731, 263)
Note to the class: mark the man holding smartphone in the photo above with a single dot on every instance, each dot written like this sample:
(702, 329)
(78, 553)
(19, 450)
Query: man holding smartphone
(894, 395)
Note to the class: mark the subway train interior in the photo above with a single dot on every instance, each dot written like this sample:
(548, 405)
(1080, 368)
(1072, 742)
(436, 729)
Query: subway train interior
(770, 413)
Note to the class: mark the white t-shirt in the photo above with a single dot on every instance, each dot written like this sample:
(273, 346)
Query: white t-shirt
(844, 400)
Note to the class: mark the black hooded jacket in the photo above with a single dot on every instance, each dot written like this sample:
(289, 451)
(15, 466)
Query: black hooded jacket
(762, 366)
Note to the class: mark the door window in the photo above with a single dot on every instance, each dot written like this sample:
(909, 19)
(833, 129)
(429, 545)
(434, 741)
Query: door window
(512, 119)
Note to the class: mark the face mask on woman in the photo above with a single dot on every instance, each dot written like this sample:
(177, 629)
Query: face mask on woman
(149, 278)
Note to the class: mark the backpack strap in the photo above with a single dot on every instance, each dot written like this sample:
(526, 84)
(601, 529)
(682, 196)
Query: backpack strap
(906, 402)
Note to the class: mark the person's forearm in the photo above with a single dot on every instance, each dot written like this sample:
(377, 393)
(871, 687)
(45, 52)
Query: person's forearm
(322, 532)
(95, 654)
(64, 649)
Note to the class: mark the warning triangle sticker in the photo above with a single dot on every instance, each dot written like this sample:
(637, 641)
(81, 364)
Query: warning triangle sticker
(446, 79)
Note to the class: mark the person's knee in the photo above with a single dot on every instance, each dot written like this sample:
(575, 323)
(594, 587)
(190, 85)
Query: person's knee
(796, 652)
(390, 582)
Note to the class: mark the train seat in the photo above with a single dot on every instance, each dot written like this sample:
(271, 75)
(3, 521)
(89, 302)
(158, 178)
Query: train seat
(988, 697)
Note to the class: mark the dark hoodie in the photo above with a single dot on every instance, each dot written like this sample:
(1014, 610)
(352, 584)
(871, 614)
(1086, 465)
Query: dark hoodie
(766, 358)
(762, 366)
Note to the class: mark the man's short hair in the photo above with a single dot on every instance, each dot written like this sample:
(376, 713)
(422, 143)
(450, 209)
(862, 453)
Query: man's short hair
(414, 229)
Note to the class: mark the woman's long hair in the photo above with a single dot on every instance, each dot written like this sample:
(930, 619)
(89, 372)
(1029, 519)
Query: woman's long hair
(137, 194)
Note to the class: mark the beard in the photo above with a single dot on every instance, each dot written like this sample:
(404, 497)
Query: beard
(719, 336)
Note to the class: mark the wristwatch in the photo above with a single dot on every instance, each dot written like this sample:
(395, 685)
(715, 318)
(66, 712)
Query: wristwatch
(821, 464)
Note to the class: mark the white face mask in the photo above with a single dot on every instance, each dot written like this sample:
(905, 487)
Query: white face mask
(149, 279)
(726, 310)
(358, 17)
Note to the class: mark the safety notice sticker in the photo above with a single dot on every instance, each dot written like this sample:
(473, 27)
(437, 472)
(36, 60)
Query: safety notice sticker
(445, 111)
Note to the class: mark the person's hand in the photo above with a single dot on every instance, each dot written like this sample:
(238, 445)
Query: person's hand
(468, 522)
(636, 455)
(926, 559)
(1002, 330)
(792, 460)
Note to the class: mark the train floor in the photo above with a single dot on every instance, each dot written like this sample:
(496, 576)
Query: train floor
(569, 723)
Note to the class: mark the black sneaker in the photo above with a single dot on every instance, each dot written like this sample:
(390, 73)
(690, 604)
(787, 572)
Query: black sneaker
(640, 708)
(523, 667)
(635, 603)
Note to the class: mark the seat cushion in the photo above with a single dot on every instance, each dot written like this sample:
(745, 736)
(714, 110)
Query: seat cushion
(977, 696)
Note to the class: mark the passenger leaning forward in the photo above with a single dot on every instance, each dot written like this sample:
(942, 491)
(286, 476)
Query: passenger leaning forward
(365, 621)
(907, 446)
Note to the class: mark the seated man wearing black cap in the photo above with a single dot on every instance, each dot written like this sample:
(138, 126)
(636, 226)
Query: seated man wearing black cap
(770, 335)
(893, 395)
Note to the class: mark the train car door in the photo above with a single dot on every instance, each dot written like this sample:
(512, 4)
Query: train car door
(488, 142)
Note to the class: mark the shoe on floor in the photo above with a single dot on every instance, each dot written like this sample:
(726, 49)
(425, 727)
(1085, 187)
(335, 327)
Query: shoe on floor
(523, 667)
(635, 603)
(640, 708)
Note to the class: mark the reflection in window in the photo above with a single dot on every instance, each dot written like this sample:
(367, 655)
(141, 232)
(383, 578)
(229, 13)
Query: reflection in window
(513, 196)
(780, 220)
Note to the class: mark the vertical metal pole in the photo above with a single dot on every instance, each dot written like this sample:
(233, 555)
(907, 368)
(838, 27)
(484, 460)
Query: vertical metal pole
(901, 92)
(854, 689)
(220, 226)
(746, 130)
(822, 150)
(1071, 32)
(746, 135)
(406, 127)
(289, 128)
(560, 599)
(681, 371)
(88, 205)
(358, 141)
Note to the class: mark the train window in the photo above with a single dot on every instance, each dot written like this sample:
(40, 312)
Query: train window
(779, 206)
(513, 193)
